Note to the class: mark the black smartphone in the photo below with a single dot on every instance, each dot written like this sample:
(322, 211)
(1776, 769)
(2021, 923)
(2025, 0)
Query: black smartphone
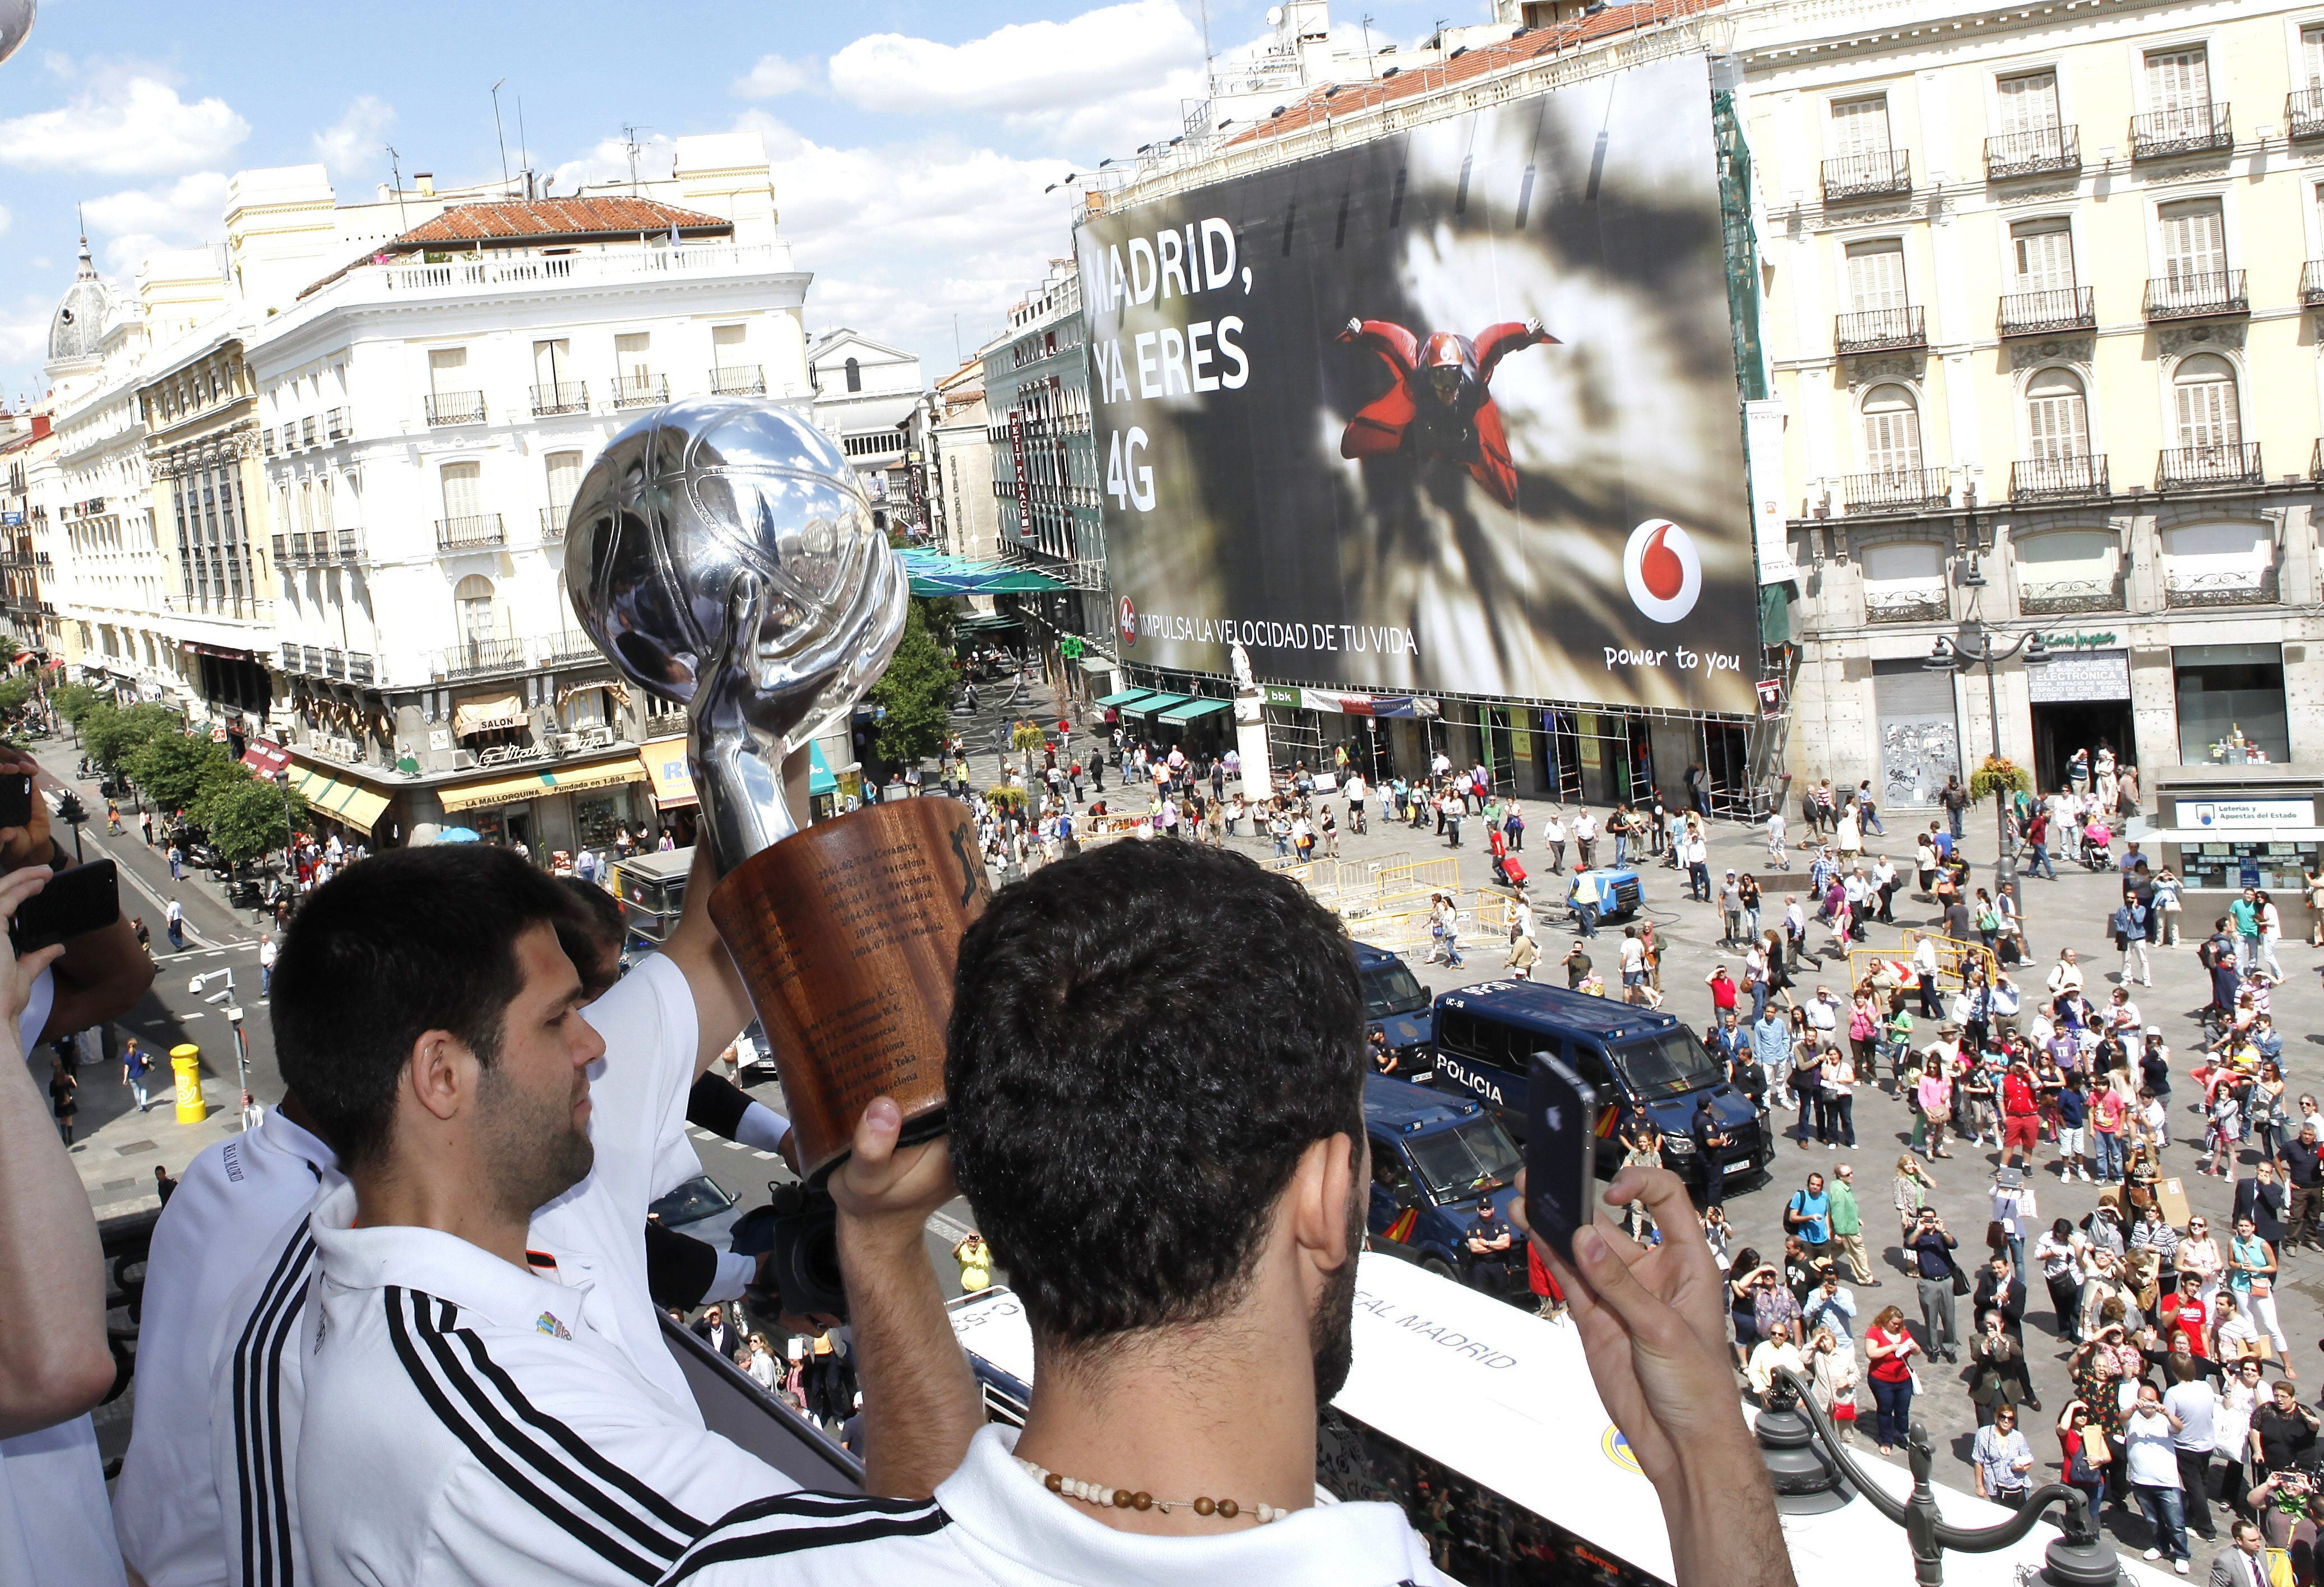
(16, 799)
(78, 900)
(1561, 1153)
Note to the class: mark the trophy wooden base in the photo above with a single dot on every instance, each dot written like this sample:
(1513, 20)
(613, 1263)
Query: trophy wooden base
(846, 935)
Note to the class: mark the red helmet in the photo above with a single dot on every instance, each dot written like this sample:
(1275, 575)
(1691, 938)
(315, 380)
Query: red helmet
(1442, 350)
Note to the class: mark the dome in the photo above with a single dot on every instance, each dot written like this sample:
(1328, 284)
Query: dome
(77, 329)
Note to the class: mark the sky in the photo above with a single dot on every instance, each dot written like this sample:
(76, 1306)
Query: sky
(912, 143)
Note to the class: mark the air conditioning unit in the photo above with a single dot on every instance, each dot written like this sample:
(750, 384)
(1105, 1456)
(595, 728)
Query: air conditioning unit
(463, 760)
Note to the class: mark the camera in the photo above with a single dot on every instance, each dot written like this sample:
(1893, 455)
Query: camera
(798, 1229)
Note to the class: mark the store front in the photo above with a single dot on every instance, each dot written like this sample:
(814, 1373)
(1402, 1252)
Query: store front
(670, 780)
(340, 803)
(1917, 730)
(2080, 700)
(2231, 701)
(2225, 827)
(577, 806)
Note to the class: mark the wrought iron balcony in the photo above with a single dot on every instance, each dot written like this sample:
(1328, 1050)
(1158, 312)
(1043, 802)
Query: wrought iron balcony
(1880, 329)
(477, 530)
(552, 522)
(1897, 490)
(336, 425)
(2046, 314)
(307, 431)
(563, 396)
(1905, 606)
(2209, 295)
(2197, 129)
(335, 664)
(291, 663)
(281, 551)
(266, 441)
(2063, 597)
(646, 391)
(1882, 174)
(311, 659)
(240, 608)
(476, 657)
(2252, 586)
(2038, 152)
(360, 668)
(348, 545)
(455, 407)
(2226, 465)
(2058, 479)
(2311, 283)
(572, 644)
(2304, 114)
(738, 379)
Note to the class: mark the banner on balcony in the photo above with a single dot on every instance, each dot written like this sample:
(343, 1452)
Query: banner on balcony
(491, 710)
(1451, 411)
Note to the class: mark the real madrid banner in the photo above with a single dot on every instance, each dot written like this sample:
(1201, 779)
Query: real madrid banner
(1455, 411)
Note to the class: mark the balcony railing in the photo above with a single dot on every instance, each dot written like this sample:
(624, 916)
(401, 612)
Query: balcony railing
(459, 533)
(1905, 606)
(2304, 114)
(572, 644)
(565, 397)
(348, 545)
(2045, 314)
(335, 664)
(2208, 294)
(480, 656)
(2316, 462)
(267, 440)
(2063, 597)
(2239, 586)
(455, 407)
(2215, 465)
(738, 379)
(307, 431)
(1897, 490)
(2037, 152)
(2311, 283)
(336, 424)
(2195, 129)
(1884, 173)
(360, 668)
(552, 522)
(1877, 329)
(646, 391)
(2058, 479)
(240, 608)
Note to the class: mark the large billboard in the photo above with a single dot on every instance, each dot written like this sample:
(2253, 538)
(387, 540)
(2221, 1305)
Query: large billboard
(1453, 410)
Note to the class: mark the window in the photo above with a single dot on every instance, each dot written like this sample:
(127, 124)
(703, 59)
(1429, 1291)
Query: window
(2311, 57)
(2226, 693)
(2043, 251)
(2028, 103)
(564, 480)
(631, 351)
(552, 362)
(1859, 127)
(2057, 414)
(727, 345)
(2178, 88)
(447, 369)
(854, 376)
(473, 600)
(2204, 408)
(462, 490)
(1892, 430)
(2194, 241)
(1875, 275)
(2065, 556)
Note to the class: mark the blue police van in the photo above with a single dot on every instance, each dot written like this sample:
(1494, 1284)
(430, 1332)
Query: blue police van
(1638, 1059)
(1437, 1162)
(1397, 1006)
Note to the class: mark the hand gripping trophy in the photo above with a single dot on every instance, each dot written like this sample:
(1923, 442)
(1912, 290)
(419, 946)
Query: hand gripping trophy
(722, 554)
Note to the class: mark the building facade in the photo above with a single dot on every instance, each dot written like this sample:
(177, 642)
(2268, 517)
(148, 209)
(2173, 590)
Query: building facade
(868, 397)
(2040, 313)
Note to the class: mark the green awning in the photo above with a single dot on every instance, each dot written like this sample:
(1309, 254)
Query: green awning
(1125, 696)
(1188, 712)
(1159, 704)
(819, 779)
(932, 572)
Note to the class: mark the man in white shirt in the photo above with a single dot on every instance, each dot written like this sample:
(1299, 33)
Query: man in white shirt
(2151, 1456)
(2066, 975)
(1249, 1268)
(2193, 1400)
(474, 1411)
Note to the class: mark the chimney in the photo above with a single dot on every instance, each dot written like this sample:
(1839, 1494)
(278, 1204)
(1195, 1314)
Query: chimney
(426, 182)
(39, 425)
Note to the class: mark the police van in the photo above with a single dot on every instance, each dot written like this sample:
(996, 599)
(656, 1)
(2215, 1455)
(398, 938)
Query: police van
(1438, 1161)
(1635, 1059)
(1397, 1005)
(1480, 1422)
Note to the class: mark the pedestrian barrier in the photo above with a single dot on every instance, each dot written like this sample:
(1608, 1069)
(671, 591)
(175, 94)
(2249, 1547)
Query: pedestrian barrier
(1099, 828)
(1954, 960)
(1440, 874)
(1359, 906)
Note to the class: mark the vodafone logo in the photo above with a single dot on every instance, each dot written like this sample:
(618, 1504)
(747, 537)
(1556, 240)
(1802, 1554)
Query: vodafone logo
(1662, 570)
(1125, 622)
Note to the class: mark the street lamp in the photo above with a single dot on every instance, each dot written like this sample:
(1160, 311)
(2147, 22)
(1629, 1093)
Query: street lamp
(1813, 1472)
(233, 1012)
(1979, 644)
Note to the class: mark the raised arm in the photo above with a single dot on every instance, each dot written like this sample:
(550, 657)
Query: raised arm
(722, 1008)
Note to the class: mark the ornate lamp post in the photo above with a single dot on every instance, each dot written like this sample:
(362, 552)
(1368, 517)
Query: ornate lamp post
(1979, 644)
(1813, 1472)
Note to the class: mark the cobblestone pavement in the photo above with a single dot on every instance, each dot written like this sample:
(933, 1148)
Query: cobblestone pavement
(2070, 912)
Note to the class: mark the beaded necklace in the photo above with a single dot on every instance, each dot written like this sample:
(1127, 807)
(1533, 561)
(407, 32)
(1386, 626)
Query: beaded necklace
(1106, 1498)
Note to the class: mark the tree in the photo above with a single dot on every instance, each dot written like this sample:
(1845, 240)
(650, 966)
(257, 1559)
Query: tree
(942, 614)
(917, 692)
(75, 701)
(14, 693)
(173, 767)
(112, 735)
(246, 815)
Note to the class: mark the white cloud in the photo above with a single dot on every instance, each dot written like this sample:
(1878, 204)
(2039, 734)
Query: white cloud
(609, 161)
(138, 220)
(776, 75)
(5, 220)
(125, 120)
(1083, 81)
(354, 144)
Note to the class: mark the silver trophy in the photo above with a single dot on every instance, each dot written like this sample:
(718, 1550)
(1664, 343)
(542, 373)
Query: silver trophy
(722, 554)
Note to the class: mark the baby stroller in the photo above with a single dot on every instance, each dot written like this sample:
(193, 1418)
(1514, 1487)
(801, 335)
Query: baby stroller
(2098, 846)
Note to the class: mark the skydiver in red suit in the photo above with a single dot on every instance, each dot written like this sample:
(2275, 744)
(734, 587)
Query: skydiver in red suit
(1442, 404)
